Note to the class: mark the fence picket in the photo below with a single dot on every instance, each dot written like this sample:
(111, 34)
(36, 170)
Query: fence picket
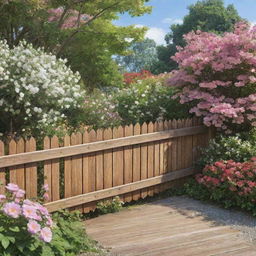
(48, 169)
(151, 158)
(20, 175)
(128, 131)
(156, 157)
(55, 171)
(2, 170)
(13, 170)
(136, 175)
(31, 171)
(144, 160)
(67, 170)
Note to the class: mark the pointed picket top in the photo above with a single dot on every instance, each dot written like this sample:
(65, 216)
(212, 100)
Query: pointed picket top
(150, 127)
(12, 147)
(66, 141)
(54, 142)
(79, 138)
(118, 132)
(73, 139)
(32, 143)
(189, 122)
(21, 146)
(128, 130)
(99, 135)
(107, 134)
(85, 137)
(174, 124)
(92, 136)
(144, 128)
(166, 125)
(160, 125)
(47, 143)
(137, 129)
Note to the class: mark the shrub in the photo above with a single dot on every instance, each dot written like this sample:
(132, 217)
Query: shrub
(217, 74)
(110, 206)
(236, 147)
(133, 77)
(149, 100)
(227, 182)
(37, 91)
(28, 229)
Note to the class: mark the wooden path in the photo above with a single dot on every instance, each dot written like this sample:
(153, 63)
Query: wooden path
(166, 228)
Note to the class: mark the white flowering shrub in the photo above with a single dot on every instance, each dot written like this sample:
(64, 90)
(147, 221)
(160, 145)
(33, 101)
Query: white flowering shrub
(37, 90)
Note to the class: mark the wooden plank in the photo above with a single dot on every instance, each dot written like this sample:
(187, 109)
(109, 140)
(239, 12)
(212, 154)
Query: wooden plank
(179, 147)
(118, 159)
(42, 155)
(156, 158)
(144, 160)
(55, 171)
(99, 164)
(161, 154)
(151, 159)
(31, 171)
(115, 191)
(2, 170)
(86, 171)
(189, 146)
(108, 161)
(174, 164)
(13, 170)
(92, 169)
(67, 170)
(136, 175)
(48, 169)
(166, 154)
(128, 131)
(20, 175)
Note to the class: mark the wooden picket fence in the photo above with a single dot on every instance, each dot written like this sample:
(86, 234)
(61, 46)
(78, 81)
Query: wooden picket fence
(132, 162)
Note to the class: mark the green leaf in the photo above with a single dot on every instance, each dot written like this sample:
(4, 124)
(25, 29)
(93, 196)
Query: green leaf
(5, 242)
(15, 229)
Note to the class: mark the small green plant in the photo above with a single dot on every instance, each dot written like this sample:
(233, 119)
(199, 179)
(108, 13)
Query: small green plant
(110, 206)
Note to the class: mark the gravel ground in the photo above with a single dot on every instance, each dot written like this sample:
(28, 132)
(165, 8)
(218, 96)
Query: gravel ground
(238, 220)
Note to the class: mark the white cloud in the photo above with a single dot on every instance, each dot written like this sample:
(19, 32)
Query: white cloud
(157, 34)
(172, 21)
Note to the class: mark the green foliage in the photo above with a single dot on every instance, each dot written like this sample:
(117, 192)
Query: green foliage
(88, 43)
(147, 100)
(110, 206)
(239, 148)
(205, 15)
(69, 238)
(141, 56)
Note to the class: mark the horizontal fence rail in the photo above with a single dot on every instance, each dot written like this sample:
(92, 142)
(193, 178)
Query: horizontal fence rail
(131, 162)
(41, 155)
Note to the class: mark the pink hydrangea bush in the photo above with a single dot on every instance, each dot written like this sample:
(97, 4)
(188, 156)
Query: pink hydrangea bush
(217, 73)
(29, 219)
(229, 182)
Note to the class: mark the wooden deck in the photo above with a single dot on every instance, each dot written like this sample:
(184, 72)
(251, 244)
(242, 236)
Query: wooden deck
(166, 228)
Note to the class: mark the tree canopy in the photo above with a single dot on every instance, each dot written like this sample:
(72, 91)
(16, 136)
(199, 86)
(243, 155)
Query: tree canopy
(80, 30)
(205, 15)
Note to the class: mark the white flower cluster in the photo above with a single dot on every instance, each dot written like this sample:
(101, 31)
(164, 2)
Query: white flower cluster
(36, 85)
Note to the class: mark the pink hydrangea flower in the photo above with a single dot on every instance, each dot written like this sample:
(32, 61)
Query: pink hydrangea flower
(46, 234)
(33, 227)
(46, 187)
(30, 212)
(20, 193)
(12, 187)
(12, 209)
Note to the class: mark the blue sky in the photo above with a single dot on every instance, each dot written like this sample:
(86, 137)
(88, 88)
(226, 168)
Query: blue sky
(166, 12)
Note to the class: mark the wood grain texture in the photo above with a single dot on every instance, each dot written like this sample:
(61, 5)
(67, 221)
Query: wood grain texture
(156, 157)
(144, 160)
(20, 175)
(13, 170)
(168, 227)
(118, 190)
(136, 175)
(48, 169)
(128, 131)
(67, 170)
(151, 159)
(55, 171)
(2, 170)
(42, 155)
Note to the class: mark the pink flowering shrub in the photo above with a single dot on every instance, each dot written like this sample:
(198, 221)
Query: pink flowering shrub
(27, 228)
(23, 221)
(228, 182)
(217, 73)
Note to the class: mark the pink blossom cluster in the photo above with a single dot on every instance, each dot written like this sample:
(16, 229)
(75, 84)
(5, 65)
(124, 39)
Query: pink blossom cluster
(238, 178)
(72, 18)
(39, 221)
(217, 73)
